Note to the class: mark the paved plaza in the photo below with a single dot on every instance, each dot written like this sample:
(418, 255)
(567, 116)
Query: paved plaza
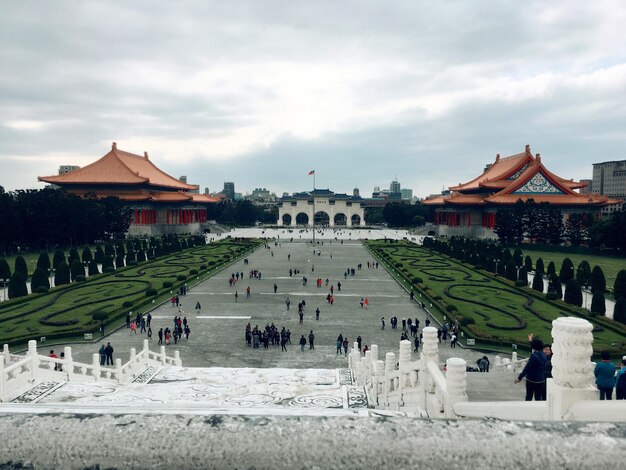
(218, 330)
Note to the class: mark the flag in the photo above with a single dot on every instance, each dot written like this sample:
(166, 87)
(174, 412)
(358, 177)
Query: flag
(312, 172)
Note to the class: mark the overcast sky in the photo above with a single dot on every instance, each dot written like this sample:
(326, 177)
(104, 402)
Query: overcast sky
(261, 92)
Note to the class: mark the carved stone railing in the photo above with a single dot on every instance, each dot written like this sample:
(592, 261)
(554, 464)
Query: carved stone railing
(22, 371)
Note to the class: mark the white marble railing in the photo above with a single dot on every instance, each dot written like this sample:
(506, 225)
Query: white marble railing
(514, 364)
(17, 374)
(411, 385)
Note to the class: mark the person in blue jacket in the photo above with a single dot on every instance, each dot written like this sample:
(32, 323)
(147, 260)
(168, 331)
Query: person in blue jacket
(534, 372)
(605, 376)
(620, 382)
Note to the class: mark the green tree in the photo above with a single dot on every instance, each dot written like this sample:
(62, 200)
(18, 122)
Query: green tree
(99, 255)
(551, 269)
(87, 257)
(93, 268)
(17, 286)
(573, 293)
(598, 305)
(567, 271)
(598, 282)
(522, 275)
(528, 263)
(5, 269)
(57, 258)
(21, 267)
(554, 285)
(76, 269)
(576, 228)
(539, 267)
(619, 311)
(619, 287)
(538, 282)
(509, 226)
(40, 279)
(73, 255)
(583, 274)
(43, 261)
(511, 271)
(518, 258)
(62, 274)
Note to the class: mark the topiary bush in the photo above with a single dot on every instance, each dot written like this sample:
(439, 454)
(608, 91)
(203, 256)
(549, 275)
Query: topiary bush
(552, 296)
(151, 292)
(108, 269)
(42, 290)
(202, 267)
(193, 272)
(80, 278)
(520, 284)
(127, 304)
(167, 284)
(467, 321)
(181, 277)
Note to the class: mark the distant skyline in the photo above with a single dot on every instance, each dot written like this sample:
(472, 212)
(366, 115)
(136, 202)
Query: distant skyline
(260, 93)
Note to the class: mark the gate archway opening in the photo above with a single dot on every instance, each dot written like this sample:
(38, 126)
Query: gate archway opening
(322, 218)
(302, 219)
(341, 219)
(356, 220)
(286, 219)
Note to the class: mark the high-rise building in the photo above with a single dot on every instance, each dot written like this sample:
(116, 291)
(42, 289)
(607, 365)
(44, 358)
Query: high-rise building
(609, 179)
(406, 194)
(229, 190)
(63, 169)
(394, 187)
(587, 189)
(355, 192)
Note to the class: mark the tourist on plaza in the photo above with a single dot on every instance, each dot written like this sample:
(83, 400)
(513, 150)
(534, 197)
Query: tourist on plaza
(128, 320)
(149, 320)
(187, 331)
(311, 340)
(133, 328)
(168, 336)
(416, 342)
(288, 303)
(346, 343)
(102, 354)
(338, 286)
(382, 321)
(283, 342)
(605, 373)
(365, 349)
(301, 315)
(108, 352)
(160, 336)
(248, 292)
(149, 333)
(367, 303)
(620, 382)
(198, 307)
(56, 365)
(358, 342)
(361, 302)
(236, 296)
(317, 313)
(534, 371)
(483, 364)
(275, 288)
(453, 340)
(547, 350)
(143, 325)
(339, 343)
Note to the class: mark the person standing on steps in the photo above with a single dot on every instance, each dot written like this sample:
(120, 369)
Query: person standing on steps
(236, 296)
(198, 307)
(534, 371)
(102, 353)
(302, 343)
(311, 340)
(382, 322)
(287, 303)
(275, 288)
(108, 351)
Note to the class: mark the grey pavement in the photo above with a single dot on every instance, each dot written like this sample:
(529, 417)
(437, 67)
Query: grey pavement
(217, 331)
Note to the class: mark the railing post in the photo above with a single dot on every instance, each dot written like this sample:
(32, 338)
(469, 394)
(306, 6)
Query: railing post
(430, 352)
(177, 360)
(95, 360)
(404, 361)
(68, 367)
(163, 356)
(572, 369)
(456, 384)
(34, 360)
(6, 353)
(390, 367)
(118, 370)
(146, 352)
(380, 381)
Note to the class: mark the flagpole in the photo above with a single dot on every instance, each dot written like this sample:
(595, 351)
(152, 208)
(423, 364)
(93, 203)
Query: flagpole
(314, 211)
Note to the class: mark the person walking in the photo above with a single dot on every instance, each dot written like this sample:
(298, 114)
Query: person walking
(198, 307)
(339, 343)
(366, 303)
(534, 371)
(108, 351)
(358, 342)
(236, 296)
(605, 373)
(416, 342)
(346, 343)
(287, 303)
(302, 343)
(160, 336)
(102, 354)
(317, 313)
(620, 382)
(311, 340)
(248, 292)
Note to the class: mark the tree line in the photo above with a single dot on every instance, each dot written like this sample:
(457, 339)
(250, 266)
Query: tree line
(398, 214)
(485, 254)
(105, 258)
(543, 223)
(242, 213)
(46, 218)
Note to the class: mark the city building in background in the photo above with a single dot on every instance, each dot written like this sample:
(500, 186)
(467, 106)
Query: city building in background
(609, 179)
(229, 190)
(63, 169)
(586, 189)
(160, 203)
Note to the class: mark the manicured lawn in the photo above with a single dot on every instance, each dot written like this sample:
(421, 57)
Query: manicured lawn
(68, 310)
(499, 310)
(610, 265)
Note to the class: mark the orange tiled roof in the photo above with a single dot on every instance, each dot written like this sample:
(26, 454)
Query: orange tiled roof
(498, 172)
(119, 168)
(204, 198)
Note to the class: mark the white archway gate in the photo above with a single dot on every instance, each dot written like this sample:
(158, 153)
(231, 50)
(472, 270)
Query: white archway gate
(342, 210)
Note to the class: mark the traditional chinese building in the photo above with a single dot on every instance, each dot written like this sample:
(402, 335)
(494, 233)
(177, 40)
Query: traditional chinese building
(322, 205)
(472, 208)
(160, 203)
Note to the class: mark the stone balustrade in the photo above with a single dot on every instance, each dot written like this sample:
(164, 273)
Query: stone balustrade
(17, 373)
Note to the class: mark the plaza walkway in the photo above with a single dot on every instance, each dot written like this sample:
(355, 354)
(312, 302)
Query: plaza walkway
(217, 331)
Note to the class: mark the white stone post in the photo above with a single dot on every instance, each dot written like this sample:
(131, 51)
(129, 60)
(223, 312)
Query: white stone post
(68, 366)
(118, 370)
(572, 368)
(373, 355)
(367, 370)
(456, 384)
(5, 352)
(34, 360)
(146, 349)
(177, 360)
(497, 361)
(95, 361)
(514, 356)
(430, 352)
(390, 366)
(163, 356)
(379, 386)
(404, 371)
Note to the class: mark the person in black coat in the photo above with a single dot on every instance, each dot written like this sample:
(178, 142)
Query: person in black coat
(108, 351)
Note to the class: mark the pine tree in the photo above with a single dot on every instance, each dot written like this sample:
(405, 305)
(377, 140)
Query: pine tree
(511, 271)
(99, 256)
(17, 286)
(583, 274)
(73, 255)
(518, 258)
(598, 282)
(5, 270)
(619, 287)
(76, 269)
(528, 264)
(43, 261)
(539, 269)
(21, 267)
(93, 268)
(551, 269)
(619, 311)
(573, 294)
(567, 271)
(40, 279)
(555, 286)
(538, 282)
(598, 304)
(58, 258)
(62, 274)
(87, 257)
(522, 275)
